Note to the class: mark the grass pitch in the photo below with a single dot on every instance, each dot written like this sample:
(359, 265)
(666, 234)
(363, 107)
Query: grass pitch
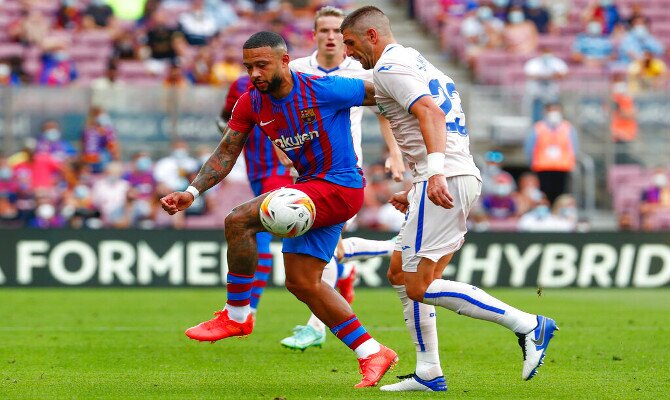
(129, 343)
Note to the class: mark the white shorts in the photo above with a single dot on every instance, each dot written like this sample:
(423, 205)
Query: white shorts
(432, 231)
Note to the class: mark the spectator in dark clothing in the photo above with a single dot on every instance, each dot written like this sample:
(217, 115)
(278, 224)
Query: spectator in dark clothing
(98, 13)
(161, 39)
(539, 15)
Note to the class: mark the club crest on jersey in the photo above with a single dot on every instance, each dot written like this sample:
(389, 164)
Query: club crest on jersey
(308, 115)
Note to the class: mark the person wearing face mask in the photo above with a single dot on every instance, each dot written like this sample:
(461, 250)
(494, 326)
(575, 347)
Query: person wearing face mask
(655, 198)
(542, 76)
(552, 148)
(591, 47)
(98, 141)
(520, 35)
(142, 189)
(110, 194)
(172, 172)
(499, 204)
(57, 67)
(481, 31)
(51, 141)
(638, 40)
(604, 11)
(492, 170)
(623, 120)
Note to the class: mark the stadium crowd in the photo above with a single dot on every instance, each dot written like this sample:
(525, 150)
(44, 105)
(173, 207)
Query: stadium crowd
(548, 46)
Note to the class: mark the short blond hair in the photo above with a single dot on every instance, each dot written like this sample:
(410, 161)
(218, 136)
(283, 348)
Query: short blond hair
(328, 11)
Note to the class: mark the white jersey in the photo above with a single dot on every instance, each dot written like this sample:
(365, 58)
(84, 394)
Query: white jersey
(402, 76)
(349, 68)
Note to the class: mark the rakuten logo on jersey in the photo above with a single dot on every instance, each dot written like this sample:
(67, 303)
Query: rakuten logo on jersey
(296, 141)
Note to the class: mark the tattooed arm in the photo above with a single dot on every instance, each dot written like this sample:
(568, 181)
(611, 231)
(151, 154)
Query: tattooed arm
(216, 168)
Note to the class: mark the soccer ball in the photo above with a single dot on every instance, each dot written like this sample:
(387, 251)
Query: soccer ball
(287, 212)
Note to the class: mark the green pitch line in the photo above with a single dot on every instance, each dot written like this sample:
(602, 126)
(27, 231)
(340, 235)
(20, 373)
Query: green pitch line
(129, 343)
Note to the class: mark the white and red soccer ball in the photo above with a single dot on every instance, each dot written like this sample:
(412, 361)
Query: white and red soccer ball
(287, 212)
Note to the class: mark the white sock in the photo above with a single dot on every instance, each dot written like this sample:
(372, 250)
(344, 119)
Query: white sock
(423, 333)
(367, 348)
(471, 301)
(346, 269)
(238, 313)
(356, 248)
(330, 277)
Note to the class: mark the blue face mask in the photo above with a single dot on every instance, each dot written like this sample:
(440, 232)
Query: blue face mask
(541, 211)
(606, 3)
(143, 164)
(516, 17)
(534, 4)
(484, 13)
(501, 3)
(5, 173)
(594, 28)
(639, 31)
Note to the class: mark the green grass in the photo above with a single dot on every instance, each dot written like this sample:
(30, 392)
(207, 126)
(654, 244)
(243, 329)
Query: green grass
(129, 343)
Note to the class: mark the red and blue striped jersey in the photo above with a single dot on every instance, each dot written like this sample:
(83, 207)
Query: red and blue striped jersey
(311, 125)
(260, 157)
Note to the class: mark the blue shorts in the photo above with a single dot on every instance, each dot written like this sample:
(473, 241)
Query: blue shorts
(319, 242)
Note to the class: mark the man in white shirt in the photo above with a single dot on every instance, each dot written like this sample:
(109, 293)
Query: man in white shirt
(542, 76)
(428, 123)
(327, 60)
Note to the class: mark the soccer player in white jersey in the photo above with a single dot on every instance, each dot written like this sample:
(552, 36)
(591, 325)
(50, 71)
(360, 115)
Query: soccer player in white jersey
(418, 99)
(329, 59)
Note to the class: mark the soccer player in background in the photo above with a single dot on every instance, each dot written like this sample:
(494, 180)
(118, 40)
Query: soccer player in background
(418, 99)
(308, 118)
(329, 60)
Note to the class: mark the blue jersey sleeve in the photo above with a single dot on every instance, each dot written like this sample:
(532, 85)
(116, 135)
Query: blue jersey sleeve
(341, 92)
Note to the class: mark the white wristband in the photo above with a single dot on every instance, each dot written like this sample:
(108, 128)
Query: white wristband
(195, 192)
(435, 164)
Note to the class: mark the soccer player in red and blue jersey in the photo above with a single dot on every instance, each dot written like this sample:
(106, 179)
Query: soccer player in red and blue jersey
(265, 172)
(307, 117)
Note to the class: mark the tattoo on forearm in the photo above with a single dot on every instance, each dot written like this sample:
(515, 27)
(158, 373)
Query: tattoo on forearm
(221, 161)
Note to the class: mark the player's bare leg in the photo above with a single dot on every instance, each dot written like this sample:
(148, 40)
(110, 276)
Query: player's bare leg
(303, 279)
(241, 226)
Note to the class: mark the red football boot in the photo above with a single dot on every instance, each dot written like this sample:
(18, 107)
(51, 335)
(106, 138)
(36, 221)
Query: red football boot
(220, 327)
(346, 286)
(375, 366)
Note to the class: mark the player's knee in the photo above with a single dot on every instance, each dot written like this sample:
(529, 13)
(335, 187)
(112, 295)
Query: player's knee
(299, 289)
(415, 292)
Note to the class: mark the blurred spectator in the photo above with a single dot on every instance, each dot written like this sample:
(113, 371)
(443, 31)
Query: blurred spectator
(223, 12)
(491, 170)
(175, 77)
(8, 193)
(125, 46)
(69, 15)
(565, 210)
(127, 10)
(500, 204)
(201, 72)
(552, 148)
(626, 221)
(647, 73)
(79, 209)
(593, 48)
(266, 9)
(377, 195)
(655, 198)
(46, 214)
(559, 11)
(520, 35)
(538, 14)
(109, 80)
(635, 11)
(197, 26)
(57, 67)
(229, 68)
(98, 141)
(623, 120)
(172, 171)
(637, 41)
(98, 15)
(51, 141)
(142, 191)
(542, 76)
(541, 219)
(481, 31)
(529, 194)
(110, 195)
(12, 72)
(604, 11)
(31, 28)
(162, 41)
(36, 171)
(500, 9)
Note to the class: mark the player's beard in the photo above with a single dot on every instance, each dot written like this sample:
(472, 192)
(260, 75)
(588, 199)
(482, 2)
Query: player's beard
(274, 84)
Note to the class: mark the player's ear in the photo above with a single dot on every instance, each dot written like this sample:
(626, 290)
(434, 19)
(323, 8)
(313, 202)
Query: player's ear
(285, 58)
(372, 35)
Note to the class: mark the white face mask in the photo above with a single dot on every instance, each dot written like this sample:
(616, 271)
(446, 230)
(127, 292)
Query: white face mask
(180, 153)
(620, 87)
(660, 180)
(45, 211)
(554, 117)
(639, 31)
(516, 17)
(503, 190)
(594, 28)
(52, 134)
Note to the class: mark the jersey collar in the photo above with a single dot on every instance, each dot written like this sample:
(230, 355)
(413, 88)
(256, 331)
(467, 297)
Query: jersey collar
(315, 64)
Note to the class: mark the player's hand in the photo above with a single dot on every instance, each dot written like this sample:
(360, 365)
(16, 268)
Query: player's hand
(399, 201)
(396, 166)
(176, 201)
(283, 158)
(438, 192)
